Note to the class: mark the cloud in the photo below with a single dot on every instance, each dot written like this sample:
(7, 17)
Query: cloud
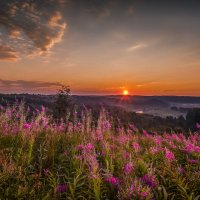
(22, 84)
(137, 47)
(32, 27)
(144, 84)
(8, 54)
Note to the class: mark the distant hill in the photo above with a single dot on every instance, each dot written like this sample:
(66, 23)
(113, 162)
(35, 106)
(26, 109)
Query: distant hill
(148, 112)
(155, 105)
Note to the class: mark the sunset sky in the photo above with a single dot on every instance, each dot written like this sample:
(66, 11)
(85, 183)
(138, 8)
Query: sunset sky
(149, 47)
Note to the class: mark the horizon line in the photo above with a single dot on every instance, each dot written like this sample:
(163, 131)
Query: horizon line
(101, 95)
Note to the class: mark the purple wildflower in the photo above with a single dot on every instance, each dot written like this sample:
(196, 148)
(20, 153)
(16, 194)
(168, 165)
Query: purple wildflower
(128, 168)
(46, 171)
(158, 140)
(61, 188)
(169, 155)
(127, 154)
(197, 149)
(65, 153)
(132, 188)
(149, 180)
(43, 109)
(89, 146)
(99, 135)
(154, 150)
(26, 126)
(190, 148)
(198, 125)
(144, 194)
(193, 161)
(1, 107)
(181, 170)
(145, 133)
(112, 180)
(136, 146)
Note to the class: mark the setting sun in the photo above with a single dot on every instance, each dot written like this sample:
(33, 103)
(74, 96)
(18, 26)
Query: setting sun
(125, 92)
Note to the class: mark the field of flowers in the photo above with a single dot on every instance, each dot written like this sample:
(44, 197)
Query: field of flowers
(80, 159)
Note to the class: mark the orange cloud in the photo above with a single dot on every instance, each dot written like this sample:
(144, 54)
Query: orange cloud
(34, 26)
(8, 54)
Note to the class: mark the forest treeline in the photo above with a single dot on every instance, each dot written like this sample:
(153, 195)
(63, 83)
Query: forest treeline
(62, 103)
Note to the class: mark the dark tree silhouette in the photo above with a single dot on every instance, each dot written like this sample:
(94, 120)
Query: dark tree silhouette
(63, 103)
(193, 117)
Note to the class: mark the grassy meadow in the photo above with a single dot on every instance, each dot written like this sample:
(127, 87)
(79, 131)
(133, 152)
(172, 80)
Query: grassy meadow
(83, 159)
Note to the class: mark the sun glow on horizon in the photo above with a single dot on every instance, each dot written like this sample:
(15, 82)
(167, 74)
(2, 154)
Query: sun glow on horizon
(125, 92)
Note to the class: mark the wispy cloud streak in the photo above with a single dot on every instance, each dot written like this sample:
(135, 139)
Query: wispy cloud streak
(23, 84)
(8, 54)
(137, 47)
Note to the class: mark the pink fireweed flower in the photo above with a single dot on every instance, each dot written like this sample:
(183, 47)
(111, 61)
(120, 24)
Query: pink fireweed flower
(154, 150)
(28, 109)
(26, 126)
(197, 149)
(43, 109)
(193, 161)
(46, 171)
(127, 155)
(61, 127)
(191, 148)
(123, 139)
(198, 125)
(106, 125)
(136, 146)
(150, 181)
(120, 130)
(144, 194)
(181, 170)
(18, 115)
(1, 107)
(89, 147)
(133, 127)
(169, 155)
(132, 189)
(139, 192)
(65, 152)
(128, 168)
(173, 146)
(112, 180)
(99, 135)
(15, 130)
(145, 133)
(92, 164)
(158, 140)
(61, 188)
